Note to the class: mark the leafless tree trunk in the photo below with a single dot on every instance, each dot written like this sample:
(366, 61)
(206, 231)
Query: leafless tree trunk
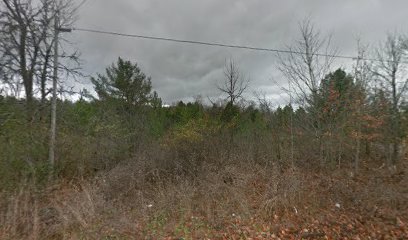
(27, 44)
(390, 71)
(19, 45)
(264, 103)
(26, 35)
(234, 85)
(362, 75)
(307, 62)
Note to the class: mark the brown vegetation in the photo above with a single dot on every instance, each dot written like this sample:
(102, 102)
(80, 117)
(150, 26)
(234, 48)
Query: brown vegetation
(150, 197)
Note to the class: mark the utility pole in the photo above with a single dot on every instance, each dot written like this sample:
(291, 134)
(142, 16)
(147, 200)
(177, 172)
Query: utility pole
(51, 153)
(53, 131)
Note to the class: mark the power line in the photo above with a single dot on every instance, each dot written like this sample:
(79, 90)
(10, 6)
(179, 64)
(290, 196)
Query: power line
(221, 44)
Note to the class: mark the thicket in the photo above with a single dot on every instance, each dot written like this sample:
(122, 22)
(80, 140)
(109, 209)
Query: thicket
(187, 168)
(124, 158)
(96, 134)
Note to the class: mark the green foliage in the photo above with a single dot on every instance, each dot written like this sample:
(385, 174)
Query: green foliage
(252, 121)
(22, 145)
(338, 81)
(191, 134)
(124, 83)
(158, 122)
(96, 134)
(336, 94)
(155, 101)
(230, 113)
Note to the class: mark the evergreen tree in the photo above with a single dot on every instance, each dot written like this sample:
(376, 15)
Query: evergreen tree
(336, 93)
(124, 83)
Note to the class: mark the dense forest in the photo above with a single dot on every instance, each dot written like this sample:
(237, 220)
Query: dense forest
(332, 162)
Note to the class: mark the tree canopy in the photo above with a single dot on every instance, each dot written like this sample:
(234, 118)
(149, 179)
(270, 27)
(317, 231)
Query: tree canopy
(124, 82)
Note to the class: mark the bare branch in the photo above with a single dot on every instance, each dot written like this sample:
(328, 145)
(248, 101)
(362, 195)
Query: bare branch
(26, 40)
(234, 85)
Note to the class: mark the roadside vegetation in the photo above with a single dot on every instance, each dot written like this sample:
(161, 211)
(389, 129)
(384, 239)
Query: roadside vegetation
(331, 164)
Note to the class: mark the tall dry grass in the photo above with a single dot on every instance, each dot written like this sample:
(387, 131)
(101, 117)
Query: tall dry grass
(154, 194)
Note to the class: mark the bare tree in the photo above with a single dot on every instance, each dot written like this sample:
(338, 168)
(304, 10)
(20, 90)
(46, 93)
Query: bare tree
(265, 104)
(362, 76)
(26, 40)
(19, 45)
(391, 72)
(305, 64)
(234, 85)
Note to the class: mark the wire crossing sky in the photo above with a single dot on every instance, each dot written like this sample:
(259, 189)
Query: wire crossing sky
(252, 33)
(214, 44)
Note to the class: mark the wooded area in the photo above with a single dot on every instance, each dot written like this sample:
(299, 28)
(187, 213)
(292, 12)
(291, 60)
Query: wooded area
(331, 163)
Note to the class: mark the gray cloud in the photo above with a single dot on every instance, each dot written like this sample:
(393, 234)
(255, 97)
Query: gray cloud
(182, 71)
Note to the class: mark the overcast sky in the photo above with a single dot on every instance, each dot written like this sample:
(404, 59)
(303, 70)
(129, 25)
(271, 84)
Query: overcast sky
(182, 71)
